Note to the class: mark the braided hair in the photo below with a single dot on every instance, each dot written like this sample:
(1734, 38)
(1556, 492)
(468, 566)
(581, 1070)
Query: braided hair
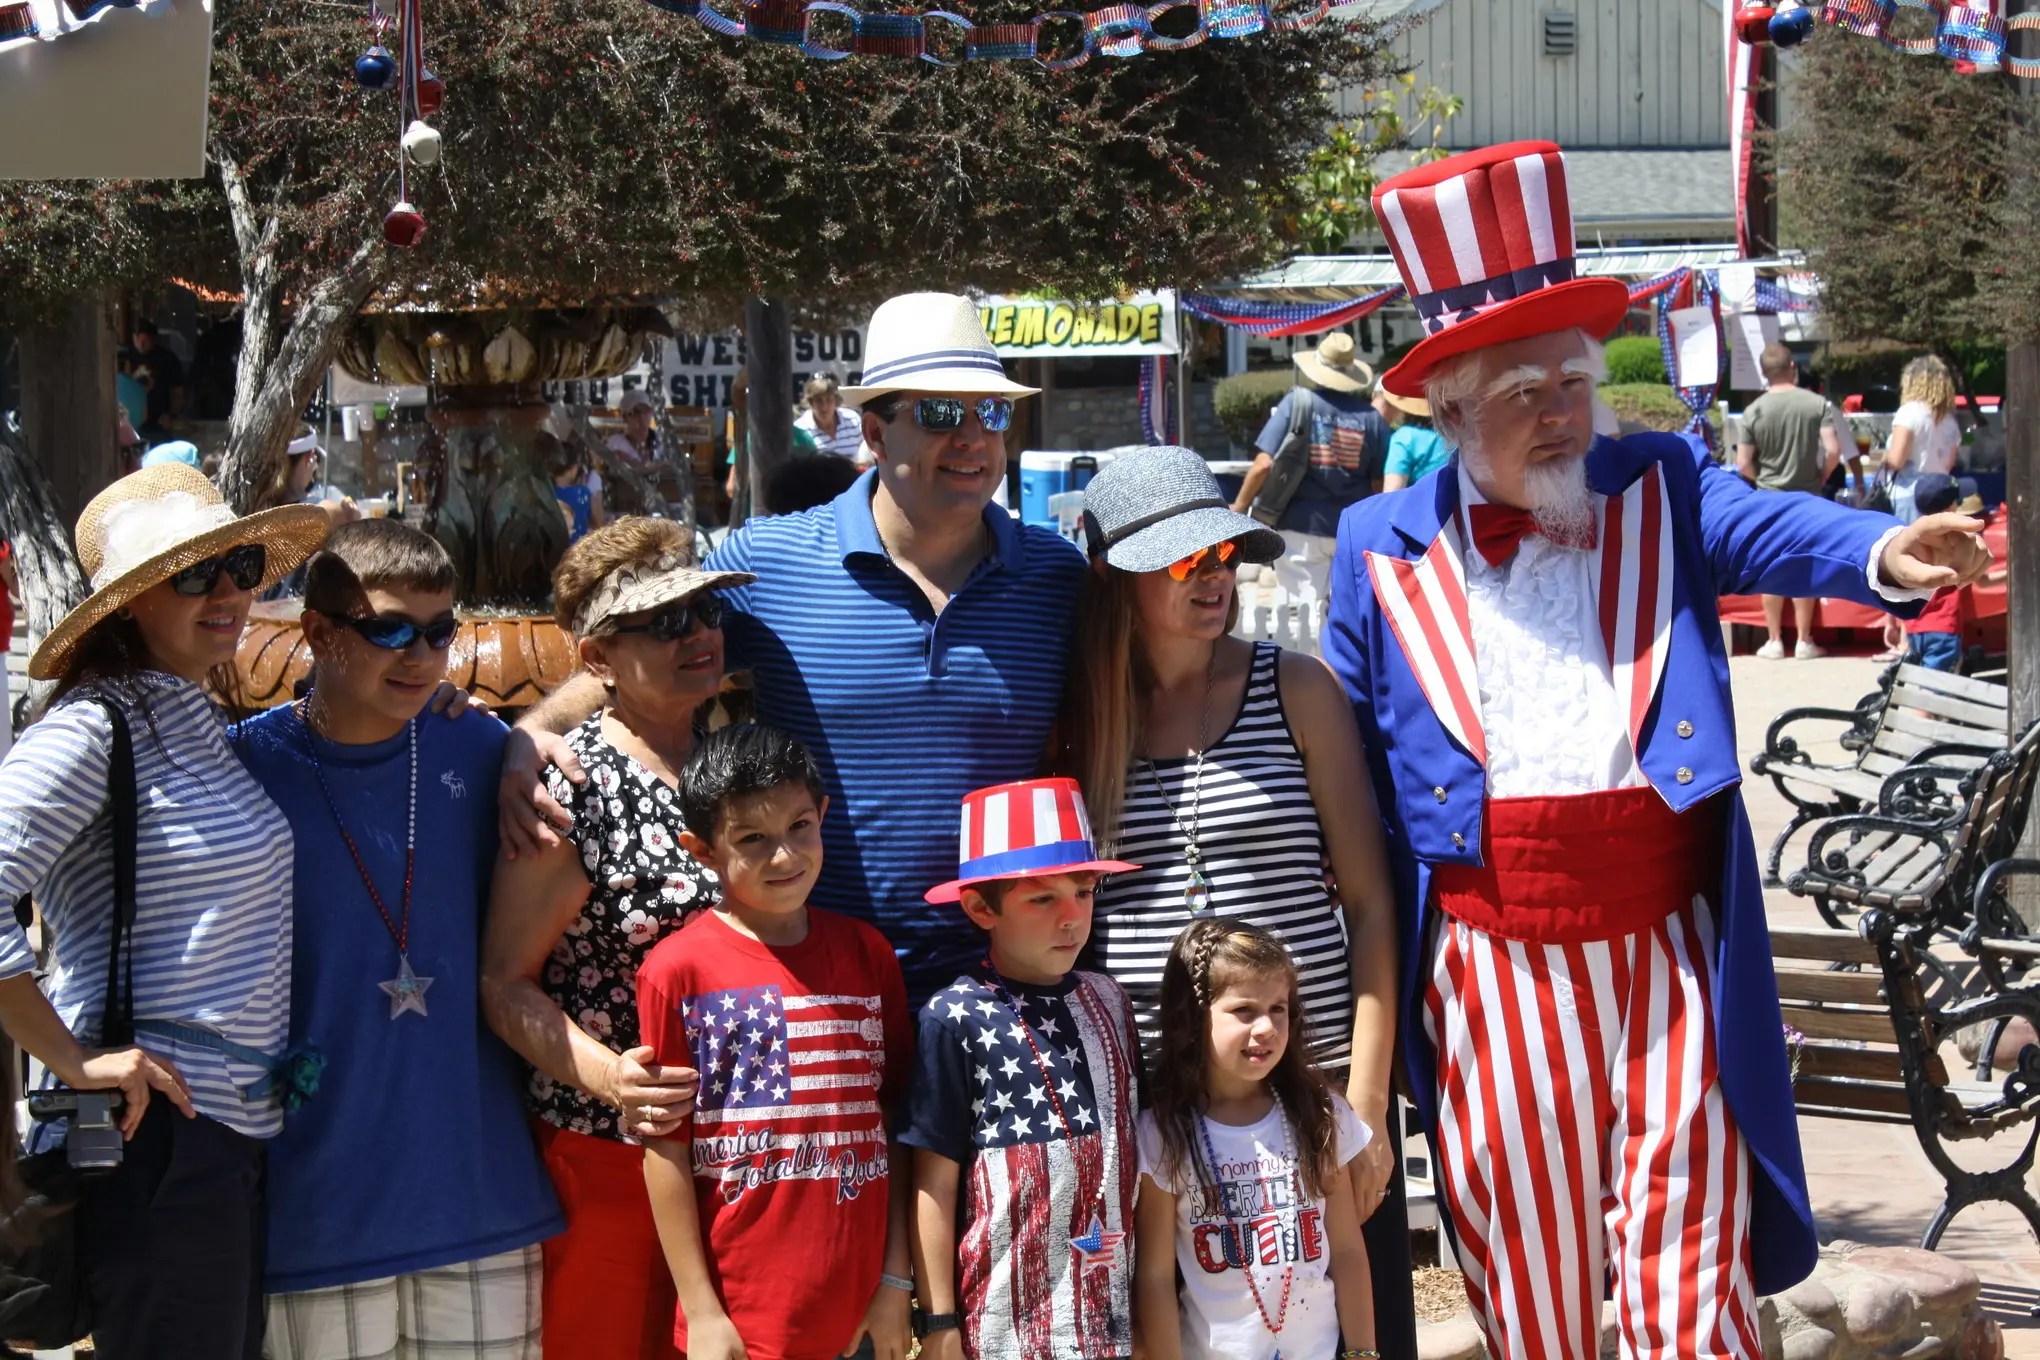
(1209, 956)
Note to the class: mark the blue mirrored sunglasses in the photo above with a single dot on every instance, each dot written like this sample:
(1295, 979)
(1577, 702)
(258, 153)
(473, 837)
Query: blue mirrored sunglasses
(943, 414)
(395, 634)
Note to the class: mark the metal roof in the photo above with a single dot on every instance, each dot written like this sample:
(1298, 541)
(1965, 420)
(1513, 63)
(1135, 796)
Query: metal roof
(1334, 278)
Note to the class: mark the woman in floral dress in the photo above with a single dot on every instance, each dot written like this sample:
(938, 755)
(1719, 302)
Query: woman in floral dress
(568, 927)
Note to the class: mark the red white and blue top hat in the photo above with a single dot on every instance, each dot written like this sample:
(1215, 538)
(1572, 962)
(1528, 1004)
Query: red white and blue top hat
(1024, 830)
(1484, 241)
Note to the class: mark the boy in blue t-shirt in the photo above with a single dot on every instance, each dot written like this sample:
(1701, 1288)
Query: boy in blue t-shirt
(406, 1198)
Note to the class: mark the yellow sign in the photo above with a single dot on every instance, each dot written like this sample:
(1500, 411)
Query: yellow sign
(1030, 328)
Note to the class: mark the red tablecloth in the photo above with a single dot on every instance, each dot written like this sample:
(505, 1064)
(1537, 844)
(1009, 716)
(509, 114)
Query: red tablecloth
(1983, 616)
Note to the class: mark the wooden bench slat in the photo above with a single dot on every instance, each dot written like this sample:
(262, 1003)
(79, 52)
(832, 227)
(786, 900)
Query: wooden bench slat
(1832, 1023)
(1988, 720)
(1881, 764)
(1860, 989)
(1910, 869)
(1827, 946)
(1863, 787)
(2011, 948)
(1982, 691)
(1860, 1116)
(1904, 720)
(1817, 1059)
(1870, 1097)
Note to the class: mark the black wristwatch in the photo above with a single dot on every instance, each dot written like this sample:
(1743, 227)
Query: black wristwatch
(926, 1324)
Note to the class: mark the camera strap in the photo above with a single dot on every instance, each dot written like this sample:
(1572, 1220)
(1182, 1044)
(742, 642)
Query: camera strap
(117, 1030)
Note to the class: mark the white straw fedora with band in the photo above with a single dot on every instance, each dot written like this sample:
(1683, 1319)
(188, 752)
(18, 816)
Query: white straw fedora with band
(1335, 367)
(152, 524)
(930, 342)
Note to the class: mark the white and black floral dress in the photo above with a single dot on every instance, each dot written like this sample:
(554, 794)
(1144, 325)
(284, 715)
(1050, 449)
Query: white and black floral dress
(627, 829)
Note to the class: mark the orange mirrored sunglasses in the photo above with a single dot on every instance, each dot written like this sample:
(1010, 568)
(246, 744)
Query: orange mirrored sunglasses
(1226, 554)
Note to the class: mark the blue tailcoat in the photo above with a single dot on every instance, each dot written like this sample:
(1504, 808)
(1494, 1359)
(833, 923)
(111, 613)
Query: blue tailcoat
(1727, 539)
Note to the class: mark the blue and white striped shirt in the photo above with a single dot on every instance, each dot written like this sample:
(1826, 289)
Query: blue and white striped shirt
(905, 710)
(212, 885)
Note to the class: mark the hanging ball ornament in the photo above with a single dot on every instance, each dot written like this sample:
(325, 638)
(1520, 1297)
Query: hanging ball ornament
(375, 69)
(1791, 25)
(421, 143)
(431, 94)
(404, 227)
(1753, 24)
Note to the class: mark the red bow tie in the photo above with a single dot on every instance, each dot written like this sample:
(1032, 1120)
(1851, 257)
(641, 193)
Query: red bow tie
(1498, 530)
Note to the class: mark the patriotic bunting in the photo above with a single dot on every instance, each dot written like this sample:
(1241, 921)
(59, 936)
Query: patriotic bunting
(27, 21)
(1972, 33)
(1058, 40)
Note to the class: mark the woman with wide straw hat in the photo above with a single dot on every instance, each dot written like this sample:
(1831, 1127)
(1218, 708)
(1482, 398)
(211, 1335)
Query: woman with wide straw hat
(1232, 771)
(171, 1242)
(569, 925)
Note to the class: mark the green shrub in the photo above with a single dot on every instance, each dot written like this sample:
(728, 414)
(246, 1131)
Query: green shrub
(1636, 359)
(1242, 402)
(1652, 405)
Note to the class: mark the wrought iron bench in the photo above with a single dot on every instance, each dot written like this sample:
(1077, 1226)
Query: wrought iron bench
(1867, 1015)
(1936, 828)
(1915, 715)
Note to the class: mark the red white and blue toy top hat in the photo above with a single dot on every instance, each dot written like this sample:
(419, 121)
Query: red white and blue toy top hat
(1025, 830)
(1484, 241)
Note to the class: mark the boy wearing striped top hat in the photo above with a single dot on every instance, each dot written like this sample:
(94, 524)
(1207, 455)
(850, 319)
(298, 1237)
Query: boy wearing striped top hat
(1023, 1102)
(1531, 643)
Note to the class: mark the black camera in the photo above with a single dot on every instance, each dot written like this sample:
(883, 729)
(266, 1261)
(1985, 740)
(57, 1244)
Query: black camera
(94, 1143)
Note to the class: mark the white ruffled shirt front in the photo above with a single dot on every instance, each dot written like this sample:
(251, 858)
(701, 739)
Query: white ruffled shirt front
(1547, 692)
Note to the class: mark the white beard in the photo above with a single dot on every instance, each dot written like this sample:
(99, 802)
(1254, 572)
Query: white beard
(1560, 500)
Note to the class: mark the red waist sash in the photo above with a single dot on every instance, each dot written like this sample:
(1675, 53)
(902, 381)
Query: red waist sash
(1592, 866)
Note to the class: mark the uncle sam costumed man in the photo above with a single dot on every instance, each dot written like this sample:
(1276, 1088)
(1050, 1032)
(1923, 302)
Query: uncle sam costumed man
(1530, 640)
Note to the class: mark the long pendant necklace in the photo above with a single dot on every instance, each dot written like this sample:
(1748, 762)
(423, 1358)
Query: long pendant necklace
(1248, 1246)
(406, 990)
(1096, 1249)
(1197, 888)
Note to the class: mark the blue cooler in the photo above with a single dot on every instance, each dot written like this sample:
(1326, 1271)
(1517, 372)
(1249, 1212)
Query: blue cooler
(1044, 474)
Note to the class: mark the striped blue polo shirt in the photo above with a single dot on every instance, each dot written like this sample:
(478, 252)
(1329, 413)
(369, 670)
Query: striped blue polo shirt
(906, 710)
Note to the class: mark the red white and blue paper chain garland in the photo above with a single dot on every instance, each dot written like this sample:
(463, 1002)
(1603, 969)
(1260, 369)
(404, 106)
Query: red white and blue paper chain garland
(27, 21)
(1971, 33)
(1059, 40)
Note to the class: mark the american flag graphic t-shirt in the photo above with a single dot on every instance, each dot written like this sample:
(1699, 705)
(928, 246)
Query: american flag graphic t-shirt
(800, 1050)
(1031, 1091)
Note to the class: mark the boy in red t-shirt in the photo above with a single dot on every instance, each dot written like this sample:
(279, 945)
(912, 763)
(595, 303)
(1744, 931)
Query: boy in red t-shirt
(786, 1236)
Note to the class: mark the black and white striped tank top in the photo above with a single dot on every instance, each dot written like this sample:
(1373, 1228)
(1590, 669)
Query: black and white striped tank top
(1264, 856)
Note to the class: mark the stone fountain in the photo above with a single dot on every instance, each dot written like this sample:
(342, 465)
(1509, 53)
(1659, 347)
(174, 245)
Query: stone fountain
(480, 484)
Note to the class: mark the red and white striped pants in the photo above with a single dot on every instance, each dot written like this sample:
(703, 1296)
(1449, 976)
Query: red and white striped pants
(1585, 1145)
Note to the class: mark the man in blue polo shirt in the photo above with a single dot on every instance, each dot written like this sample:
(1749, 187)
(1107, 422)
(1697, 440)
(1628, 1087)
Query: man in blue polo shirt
(912, 633)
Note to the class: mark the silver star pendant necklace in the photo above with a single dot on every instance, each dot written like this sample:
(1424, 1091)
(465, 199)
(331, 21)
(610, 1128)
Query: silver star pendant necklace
(1197, 888)
(406, 990)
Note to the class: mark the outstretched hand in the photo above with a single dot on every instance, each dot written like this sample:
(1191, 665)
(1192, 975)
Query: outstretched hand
(1933, 552)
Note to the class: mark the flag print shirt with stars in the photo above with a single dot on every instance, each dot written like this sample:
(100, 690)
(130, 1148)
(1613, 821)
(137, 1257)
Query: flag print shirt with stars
(1031, 1091)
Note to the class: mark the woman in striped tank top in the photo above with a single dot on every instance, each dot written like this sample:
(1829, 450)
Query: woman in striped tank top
(1232, 772)
(171, 1243)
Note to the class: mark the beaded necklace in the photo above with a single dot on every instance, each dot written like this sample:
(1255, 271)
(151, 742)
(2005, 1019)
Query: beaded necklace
(1273, 1324)
(1096, 1248)
(406, 990)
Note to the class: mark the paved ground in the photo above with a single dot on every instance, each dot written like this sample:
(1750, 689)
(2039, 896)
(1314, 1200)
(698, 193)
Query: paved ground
(1870, 1182)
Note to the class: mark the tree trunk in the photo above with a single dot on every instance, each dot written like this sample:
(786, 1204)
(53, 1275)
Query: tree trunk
(68, 402)
(46, 571)
(280, 366)
(768, 345)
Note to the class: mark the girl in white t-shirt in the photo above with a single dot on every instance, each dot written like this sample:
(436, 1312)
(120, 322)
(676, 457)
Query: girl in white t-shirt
(1924, 436)
(1243, 1153)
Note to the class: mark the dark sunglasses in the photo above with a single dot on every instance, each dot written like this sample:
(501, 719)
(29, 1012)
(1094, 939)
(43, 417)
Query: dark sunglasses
(395, 634)
(1183, 568)
(678, 621)
(943, 414)
(245, 565)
